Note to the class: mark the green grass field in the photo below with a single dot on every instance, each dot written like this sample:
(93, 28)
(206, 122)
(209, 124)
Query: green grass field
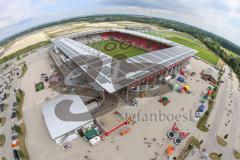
(117, 49)
(24, 50)
(191, 42)
(230, 52)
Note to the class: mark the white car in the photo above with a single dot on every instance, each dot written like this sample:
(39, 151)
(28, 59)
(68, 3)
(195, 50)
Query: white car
(66, 146)
(200, 114)
(196, 116)
(14, 120)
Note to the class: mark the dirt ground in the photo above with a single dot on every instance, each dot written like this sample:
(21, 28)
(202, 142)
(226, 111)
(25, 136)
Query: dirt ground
(26, 41)
(64, 29)
(32, 76)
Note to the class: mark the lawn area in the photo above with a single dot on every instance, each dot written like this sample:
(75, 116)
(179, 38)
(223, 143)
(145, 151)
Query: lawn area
(230, 52)
(39, 86)
(191, 142)
(214, 156)
(117, 49)
(2, 121)
(2, 140)
(20, 99)
(190, 42)
(22, 145)
(23, 51)
(21, 129)
(236, 154)
(203, 120)
(24, 70)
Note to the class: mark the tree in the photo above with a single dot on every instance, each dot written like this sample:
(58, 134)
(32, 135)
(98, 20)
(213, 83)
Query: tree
(17, 129)
(190, 146)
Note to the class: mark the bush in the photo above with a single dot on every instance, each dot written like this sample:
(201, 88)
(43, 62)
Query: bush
(19, 96)
(190, 147)
(18, 99)
(20, 153)
(207, 113)
(17, 129)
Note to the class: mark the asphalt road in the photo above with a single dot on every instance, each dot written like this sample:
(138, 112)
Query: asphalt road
(210, 142)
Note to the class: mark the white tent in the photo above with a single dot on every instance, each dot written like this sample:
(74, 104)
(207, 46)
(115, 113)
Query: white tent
(64, 115)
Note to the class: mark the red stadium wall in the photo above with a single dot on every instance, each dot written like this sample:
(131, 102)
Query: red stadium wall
(140, 42)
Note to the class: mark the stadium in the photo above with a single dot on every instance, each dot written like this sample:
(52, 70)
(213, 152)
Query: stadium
(118, 61)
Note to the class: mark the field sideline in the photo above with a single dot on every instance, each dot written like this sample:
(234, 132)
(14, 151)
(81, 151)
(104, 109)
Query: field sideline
(117, 49)
(191, 42)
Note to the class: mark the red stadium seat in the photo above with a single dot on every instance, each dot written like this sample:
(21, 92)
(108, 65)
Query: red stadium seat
(140, 42)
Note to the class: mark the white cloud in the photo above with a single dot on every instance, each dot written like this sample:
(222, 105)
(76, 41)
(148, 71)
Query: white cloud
(16, 11)
(218, 16)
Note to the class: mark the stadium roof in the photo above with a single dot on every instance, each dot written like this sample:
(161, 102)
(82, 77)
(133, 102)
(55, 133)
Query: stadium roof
(65, 114)
(112, 74)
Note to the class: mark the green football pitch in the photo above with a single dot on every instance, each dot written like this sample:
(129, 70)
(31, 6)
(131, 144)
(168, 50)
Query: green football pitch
(117, 49)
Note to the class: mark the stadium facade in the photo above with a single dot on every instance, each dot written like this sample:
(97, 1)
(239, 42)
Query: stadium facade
(75, 56)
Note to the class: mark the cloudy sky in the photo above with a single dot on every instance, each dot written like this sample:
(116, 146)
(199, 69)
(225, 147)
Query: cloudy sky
(219, 16)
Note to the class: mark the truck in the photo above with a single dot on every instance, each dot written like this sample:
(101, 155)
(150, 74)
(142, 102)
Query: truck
(166, 79)
(92, 104)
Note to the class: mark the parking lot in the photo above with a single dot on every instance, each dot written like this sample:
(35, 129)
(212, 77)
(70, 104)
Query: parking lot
(9, 112)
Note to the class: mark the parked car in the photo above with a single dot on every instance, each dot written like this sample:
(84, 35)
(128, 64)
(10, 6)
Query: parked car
(15, 143)
(14, 117)
(14, 136)
(196, 116)
(15, 104)
(16, 155)
(1, 107)
(14, 132)
(14, 109)
(43, 74)
(66, 146)
(46, 78)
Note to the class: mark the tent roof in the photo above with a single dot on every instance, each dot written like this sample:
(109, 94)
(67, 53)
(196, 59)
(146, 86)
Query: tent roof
(64, 114)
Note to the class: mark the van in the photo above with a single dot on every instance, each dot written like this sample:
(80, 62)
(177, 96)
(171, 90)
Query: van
(166, 79)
